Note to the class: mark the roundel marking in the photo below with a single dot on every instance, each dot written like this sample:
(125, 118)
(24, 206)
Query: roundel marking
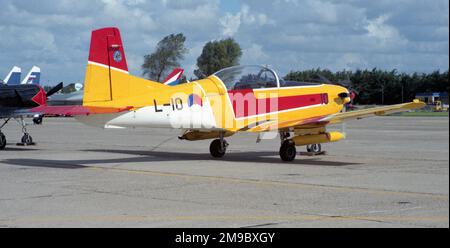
(117, 56)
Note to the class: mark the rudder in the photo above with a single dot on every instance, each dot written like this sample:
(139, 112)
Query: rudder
(107, 75)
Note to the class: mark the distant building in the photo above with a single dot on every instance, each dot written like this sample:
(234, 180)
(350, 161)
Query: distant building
(431, 97)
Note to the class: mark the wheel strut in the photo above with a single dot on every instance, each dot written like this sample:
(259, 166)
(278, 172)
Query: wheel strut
(26, 140)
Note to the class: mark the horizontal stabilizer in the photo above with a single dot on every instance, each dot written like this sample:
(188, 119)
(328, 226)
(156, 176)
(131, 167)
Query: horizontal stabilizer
(77, 110)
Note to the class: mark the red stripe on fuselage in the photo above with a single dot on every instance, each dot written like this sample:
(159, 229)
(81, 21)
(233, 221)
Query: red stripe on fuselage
(245, 103)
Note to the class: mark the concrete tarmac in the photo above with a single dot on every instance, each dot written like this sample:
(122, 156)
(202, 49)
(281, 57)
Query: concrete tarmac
(390, 172)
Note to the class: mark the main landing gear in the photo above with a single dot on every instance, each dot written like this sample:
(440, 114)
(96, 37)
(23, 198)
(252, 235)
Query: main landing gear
(218, 147)
(26, 140)
(288, 151)
(2, 141)
(2, 136)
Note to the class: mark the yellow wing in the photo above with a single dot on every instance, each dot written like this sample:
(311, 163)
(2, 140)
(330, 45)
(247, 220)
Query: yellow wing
(378, 111)
(321, 121)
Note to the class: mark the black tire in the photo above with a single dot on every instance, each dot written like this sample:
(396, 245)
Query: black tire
(216, 148)
(316, 148)
(2, 141)
(288, 152)
(27, 139)
(37, 120)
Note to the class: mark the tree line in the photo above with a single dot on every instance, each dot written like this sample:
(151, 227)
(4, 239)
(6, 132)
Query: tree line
(373, 86)
(380, 86)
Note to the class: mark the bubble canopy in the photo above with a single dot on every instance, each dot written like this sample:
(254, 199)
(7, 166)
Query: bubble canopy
(248, 77)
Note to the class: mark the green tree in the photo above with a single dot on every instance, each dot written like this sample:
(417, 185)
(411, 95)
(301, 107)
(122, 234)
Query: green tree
(381, 87)
(217, 55)
(169, 52)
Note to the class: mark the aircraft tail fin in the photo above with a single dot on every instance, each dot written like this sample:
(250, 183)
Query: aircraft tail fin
(107, 64)
(13, 76)
(174, 78)
(33, 77)
(107, 78)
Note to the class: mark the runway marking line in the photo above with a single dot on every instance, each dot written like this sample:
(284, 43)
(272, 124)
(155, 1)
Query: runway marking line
(227, 218)
(272, 183)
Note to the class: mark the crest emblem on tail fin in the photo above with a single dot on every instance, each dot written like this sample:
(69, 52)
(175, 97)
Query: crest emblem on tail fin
(117, 56)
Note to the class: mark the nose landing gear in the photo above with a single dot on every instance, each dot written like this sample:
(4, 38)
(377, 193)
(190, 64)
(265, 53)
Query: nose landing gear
(315, 148)
(26, 140)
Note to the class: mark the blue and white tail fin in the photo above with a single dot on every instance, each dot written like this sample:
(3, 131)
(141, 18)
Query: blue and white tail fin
(13, 76)
(174, 77)
(33, 77)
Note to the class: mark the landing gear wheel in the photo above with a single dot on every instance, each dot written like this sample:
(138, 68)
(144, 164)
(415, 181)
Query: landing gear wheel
(316, 148)
(2, 141)
(218, 148)
(37, 120)
(288, 152)
(27, 140)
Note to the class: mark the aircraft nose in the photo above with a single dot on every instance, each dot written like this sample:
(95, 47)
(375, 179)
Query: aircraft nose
(343, 94)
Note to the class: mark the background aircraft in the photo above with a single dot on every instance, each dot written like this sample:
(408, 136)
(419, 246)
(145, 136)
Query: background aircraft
(33, 77)
(235, 99)
(73, 98)
(13, 76)
(76, 98)
(174, 78)
(16, 102)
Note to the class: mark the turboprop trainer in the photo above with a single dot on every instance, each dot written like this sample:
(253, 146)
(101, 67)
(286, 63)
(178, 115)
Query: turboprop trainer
(236, 99)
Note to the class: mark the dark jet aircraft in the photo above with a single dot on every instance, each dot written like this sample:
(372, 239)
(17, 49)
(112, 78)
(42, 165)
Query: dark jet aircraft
(16, 102)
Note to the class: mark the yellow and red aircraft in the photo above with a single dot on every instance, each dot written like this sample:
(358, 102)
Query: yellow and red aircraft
(236, 99)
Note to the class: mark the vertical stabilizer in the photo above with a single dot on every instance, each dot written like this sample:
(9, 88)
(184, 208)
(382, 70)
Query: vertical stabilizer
(174, 78)
(13, 76)
(107, 70)
(33, 77)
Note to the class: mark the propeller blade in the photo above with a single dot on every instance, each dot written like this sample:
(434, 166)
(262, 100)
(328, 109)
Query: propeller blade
(55, 89)
(345, 83)
(344, 124)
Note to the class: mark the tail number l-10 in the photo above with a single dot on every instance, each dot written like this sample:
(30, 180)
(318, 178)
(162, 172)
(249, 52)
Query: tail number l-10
(175, 103)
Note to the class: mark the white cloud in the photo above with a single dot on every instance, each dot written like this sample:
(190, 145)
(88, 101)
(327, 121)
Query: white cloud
(384, 33)
(230, 24)
(255, 55)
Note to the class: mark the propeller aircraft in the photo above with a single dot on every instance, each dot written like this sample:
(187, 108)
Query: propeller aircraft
(232, 100)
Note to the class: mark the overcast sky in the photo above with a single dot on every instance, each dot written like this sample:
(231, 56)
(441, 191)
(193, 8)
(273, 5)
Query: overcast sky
(408, 35)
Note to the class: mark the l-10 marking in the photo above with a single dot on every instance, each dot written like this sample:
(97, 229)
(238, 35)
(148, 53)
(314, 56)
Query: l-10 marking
(175, 104)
